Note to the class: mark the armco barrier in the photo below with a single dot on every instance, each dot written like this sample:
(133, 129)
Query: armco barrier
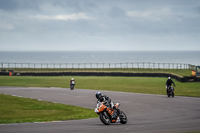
(181, 79)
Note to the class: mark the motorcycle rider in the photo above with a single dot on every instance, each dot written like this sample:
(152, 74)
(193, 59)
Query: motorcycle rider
(103, 98)
(169, 82)
(72, 82)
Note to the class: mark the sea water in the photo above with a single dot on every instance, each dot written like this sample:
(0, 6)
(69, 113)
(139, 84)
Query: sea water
(187, 57)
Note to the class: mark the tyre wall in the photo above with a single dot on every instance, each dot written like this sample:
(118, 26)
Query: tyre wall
(181, 79)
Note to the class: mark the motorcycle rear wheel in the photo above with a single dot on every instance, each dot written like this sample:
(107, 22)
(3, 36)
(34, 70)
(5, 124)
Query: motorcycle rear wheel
(104, 118)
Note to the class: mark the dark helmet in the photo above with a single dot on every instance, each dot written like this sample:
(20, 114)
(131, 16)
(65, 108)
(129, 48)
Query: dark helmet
(98, 95)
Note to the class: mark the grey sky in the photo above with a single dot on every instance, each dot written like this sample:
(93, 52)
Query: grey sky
(85, 25)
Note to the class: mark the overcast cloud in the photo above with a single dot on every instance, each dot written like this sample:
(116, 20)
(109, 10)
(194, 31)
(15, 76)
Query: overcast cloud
(94, 25)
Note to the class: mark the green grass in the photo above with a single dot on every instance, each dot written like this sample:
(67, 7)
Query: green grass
(19, 110)
(181, 72)
(146, 85)
(137, 85)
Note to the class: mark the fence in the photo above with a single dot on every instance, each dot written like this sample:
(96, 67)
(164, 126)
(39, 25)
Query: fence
(139, 65)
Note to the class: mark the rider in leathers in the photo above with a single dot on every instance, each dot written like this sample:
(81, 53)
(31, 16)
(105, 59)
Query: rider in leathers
(103, 98)
(169, 82)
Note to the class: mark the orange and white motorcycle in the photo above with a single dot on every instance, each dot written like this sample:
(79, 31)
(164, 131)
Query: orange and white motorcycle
(105, 112)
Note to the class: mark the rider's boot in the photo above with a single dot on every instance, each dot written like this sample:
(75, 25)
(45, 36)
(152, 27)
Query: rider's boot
(114, 115)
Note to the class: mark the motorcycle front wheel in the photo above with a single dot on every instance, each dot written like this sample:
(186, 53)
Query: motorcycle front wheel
(104, 118)
(71, 87)
(172, 94)
(123, 118)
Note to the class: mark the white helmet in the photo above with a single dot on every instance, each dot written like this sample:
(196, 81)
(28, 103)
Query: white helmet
(72, 78)
(169, 77)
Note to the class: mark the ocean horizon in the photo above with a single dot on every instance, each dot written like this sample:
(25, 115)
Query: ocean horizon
(186, 57)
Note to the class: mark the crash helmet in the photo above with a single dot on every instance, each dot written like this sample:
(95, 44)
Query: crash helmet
(169, 77)
(72, 78)
(98, 94)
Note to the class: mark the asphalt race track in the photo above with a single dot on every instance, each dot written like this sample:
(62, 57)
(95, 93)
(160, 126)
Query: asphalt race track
(146, 113)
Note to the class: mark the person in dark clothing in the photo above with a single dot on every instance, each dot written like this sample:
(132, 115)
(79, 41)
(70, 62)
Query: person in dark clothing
(169, 83)
(103, 98)
(72, 83)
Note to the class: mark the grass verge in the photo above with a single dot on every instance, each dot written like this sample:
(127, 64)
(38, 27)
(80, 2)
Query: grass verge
(146, 85)
(180, 72)
(20, 110)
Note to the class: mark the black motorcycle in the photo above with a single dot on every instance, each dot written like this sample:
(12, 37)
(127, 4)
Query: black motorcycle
(71, 86)
(170, 91)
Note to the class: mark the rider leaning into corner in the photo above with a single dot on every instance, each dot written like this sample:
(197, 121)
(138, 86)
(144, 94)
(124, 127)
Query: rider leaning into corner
(103, 98)
(169, 82)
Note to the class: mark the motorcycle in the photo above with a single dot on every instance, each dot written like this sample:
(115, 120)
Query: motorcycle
(170, 91)
(104, 111)
(71, 86)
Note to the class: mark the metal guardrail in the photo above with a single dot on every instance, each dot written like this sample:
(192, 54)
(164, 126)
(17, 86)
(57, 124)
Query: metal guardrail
(139, 65)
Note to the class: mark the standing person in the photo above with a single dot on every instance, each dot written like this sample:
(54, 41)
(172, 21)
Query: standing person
(72, 84)
(169, 82)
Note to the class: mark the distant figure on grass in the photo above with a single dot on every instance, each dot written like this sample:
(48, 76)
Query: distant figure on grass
(72, 84)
